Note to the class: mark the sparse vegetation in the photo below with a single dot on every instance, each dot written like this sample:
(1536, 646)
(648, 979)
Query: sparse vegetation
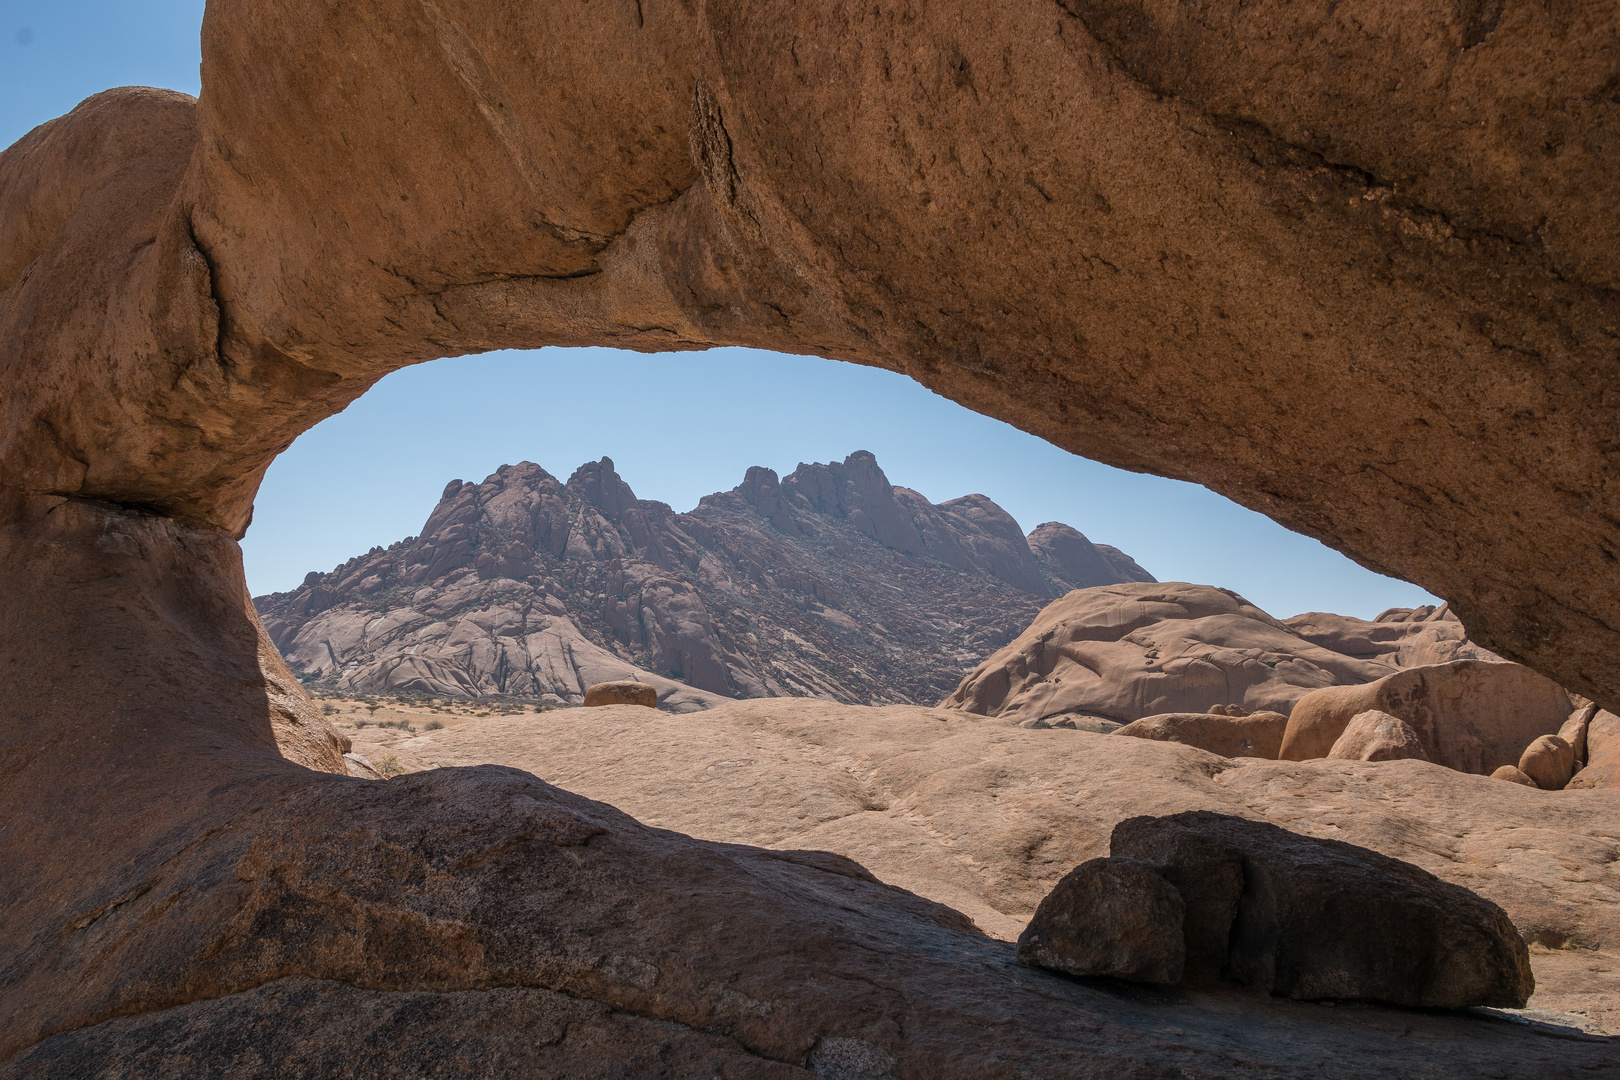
(433, 725)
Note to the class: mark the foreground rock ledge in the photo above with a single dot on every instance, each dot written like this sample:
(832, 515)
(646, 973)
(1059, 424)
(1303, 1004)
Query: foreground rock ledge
(482, 896)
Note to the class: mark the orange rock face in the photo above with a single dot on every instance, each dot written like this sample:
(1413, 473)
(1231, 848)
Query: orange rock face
(622, 693)
(1351, 265)
(1257, 735)
(1131, 650)
(1469, 715)
(1377, 736)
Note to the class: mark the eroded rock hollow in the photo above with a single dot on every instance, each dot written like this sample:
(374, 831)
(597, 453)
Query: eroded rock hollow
(1350, 263)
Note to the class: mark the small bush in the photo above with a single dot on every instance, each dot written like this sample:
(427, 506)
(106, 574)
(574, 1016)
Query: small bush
(433, 725)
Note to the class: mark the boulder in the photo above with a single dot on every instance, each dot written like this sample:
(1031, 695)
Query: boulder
(361, 766)
(1513, 775)
(1469, 715)
(1206, 871)
(1549, 761)
(1377, 736)
(622, 693)
(1602, 769)
(1252, 735)
(1113, 917)
(1323, 919)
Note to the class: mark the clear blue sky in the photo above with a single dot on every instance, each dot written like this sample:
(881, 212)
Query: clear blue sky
(678, 426)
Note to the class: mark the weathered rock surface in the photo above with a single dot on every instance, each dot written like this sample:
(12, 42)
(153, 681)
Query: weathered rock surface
(1602, 768)
(622, 693)
(344, 1030)
(361, 766)
(1316, 918)
(487, 881)
(1400, 206)
(830, 583)
(1402, 637)
(1352, 267)
(1376, 736)
(986, 816)
(1470, 715)
(1111, 917)
(1255, 735)
(1129, 651)
(1575, 731)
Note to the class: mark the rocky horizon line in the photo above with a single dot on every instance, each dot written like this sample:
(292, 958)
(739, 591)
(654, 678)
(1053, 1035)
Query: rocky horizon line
(830, 583)
(755, 476)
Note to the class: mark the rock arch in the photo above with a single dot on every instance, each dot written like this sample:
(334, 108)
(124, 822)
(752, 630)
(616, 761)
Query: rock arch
(1351, 264)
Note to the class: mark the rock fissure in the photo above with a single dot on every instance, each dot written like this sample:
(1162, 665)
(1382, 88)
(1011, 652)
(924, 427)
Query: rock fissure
(211, 287)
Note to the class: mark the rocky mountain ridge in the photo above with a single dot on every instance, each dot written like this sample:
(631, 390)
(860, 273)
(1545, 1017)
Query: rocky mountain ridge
(830, 582)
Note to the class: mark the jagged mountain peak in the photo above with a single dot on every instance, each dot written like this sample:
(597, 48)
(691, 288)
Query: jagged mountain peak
(828, 582)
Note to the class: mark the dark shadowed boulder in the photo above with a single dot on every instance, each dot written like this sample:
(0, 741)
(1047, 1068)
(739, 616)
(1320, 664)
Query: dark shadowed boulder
(1206, 871)
(1322, 919)
(1114, 917)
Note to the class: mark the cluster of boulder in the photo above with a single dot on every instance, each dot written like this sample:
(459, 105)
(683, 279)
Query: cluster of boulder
(1584, 754)
(1475, 716)
(1200, 896)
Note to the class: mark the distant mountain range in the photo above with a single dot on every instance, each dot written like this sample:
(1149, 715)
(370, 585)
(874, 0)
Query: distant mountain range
(830, 583)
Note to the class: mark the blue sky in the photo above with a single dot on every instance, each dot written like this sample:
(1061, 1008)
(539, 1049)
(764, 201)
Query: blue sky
(678, 426)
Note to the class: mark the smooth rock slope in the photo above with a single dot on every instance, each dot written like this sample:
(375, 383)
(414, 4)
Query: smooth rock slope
(1129, 651)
